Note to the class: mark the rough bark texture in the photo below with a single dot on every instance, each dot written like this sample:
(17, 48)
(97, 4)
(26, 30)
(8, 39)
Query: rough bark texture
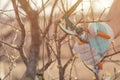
(35, 40)
(34, 48)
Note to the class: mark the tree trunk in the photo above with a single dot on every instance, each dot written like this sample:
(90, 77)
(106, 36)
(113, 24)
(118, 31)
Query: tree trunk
(61, 74)
(34, 48)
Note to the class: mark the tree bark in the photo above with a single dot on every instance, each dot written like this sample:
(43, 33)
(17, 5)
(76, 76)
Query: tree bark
(34, 48)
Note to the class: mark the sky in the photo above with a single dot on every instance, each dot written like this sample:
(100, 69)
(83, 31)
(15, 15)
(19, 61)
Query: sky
(98, 5)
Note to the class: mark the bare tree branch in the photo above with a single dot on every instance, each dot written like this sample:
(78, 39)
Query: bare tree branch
(14, 47)
(12, 65)
(34, 3)
(63, 6)
(10, 25)
(40, 10)
(72, 9)
(50, 19)
(110, 55)
(22, 32)
(26, 6)
(68, 62)
(71, 68)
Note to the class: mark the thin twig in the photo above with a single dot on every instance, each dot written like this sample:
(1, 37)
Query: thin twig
(110, 55)
(63, 6)
(72, 68)
(50, 19)
(45, 5)
(14, 47)
(12, 62)
(5, 23)
(52, 50)
(34, 3)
